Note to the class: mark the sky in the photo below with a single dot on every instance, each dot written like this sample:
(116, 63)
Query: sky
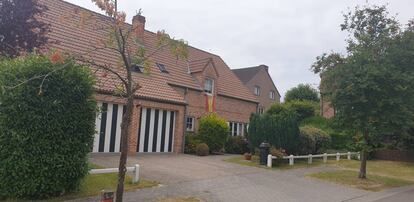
(286, 35)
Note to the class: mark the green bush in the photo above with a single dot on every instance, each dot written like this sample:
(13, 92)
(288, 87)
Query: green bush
(304, 109)
(313, 140)
(278, 126)
(202, 149)
(236, 145)
(191, 142)
(45, 133)
(340, 139)
(213, 131)
(302, 92)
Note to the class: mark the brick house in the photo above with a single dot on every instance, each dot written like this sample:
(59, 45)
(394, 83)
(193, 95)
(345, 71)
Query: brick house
(172, 97)
(260, 83)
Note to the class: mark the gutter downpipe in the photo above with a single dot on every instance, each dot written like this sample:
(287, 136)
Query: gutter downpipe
(184, 121)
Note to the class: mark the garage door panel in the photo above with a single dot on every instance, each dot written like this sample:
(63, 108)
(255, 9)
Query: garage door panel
(108, 128)
(157, 130)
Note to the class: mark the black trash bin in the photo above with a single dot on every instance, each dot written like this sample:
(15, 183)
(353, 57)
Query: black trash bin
(264, 151)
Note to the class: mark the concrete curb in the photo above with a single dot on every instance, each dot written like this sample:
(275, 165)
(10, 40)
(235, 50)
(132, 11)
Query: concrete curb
(381, 195)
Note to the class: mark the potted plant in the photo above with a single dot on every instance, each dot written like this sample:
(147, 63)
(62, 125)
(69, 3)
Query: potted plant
(248, 156)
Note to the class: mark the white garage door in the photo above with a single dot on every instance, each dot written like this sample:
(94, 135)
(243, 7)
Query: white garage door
(108, 127)
(156, 133)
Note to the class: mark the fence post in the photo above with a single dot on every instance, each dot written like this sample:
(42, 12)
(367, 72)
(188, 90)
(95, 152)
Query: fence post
(291, 160)
(325, 157)
(310, 159)
(136, 174)
(349, 155)
(338, 156)
(359, 156)
(269, 160)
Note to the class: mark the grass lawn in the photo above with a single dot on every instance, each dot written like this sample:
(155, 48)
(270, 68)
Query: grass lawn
(94, 184)
(350, 178)
(393, 169)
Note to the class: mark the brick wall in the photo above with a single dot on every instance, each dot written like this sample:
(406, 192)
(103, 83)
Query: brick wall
(265, 82)
(231, 109)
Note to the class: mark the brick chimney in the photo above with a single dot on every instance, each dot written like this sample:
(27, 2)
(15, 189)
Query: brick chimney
(265, 67)
(138, 26)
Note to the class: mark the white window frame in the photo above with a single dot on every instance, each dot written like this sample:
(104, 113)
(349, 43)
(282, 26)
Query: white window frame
(192, 124)
(256, 90)
(212, 85)
(236, 128)
(272, 95)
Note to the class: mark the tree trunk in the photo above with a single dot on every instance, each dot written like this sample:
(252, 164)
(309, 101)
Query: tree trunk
(126, 123)
(363, 168)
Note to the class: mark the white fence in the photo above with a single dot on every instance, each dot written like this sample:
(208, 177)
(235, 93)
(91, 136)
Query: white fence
(134, 170)
(310, 157)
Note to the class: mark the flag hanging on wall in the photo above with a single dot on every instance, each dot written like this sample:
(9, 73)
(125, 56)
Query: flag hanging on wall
(210, 103)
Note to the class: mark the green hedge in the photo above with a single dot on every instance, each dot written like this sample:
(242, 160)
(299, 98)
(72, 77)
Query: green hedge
(236, 145)
(44, 136)
(313, 140)
(304, 109)
(213, 131)
(191, 142)
(278, 126)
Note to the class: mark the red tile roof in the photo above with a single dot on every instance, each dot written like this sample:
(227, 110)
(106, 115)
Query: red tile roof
(73, 34)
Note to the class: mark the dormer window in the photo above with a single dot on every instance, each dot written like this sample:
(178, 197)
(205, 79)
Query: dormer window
(137, 68)
(257, 90)
(208, 85)
(162, 68)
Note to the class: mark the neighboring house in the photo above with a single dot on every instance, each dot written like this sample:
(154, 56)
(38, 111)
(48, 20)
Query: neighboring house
(172, 98)
(260, 84)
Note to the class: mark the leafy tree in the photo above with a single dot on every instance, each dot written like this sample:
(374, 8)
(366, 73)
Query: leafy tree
(126, 42)
(302, 92)
(213, 131)
(371, 86)
(20, 31)
(47, 125)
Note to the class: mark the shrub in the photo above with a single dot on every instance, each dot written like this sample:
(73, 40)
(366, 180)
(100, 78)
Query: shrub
(302, 92)
(313, 140)
(213, 131)
(236, 145)
(191, 142)
(202, 149)
(304, 109)
(278, 126)
(45, 135)
(279, 153)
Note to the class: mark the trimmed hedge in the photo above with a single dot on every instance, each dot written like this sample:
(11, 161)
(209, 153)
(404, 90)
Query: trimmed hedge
(313, 140)
(45, 136)
(202, 149)
(213, 131)
(278, 126)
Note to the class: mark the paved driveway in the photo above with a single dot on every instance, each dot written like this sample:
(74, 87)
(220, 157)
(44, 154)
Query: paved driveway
(212, 179)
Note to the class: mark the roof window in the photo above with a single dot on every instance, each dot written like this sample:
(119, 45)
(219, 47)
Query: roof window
(162, 67)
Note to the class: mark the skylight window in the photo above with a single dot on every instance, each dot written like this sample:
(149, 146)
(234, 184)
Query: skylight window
(137, 68)
(162, 68)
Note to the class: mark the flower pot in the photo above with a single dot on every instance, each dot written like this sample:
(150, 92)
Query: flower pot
(248, 156)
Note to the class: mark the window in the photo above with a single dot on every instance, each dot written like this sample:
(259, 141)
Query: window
(272, 95)
(162, 67)
(137, 68)
(208, 85)
(260, 110)
(237, 129)
(190, 123)
(257, 90)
